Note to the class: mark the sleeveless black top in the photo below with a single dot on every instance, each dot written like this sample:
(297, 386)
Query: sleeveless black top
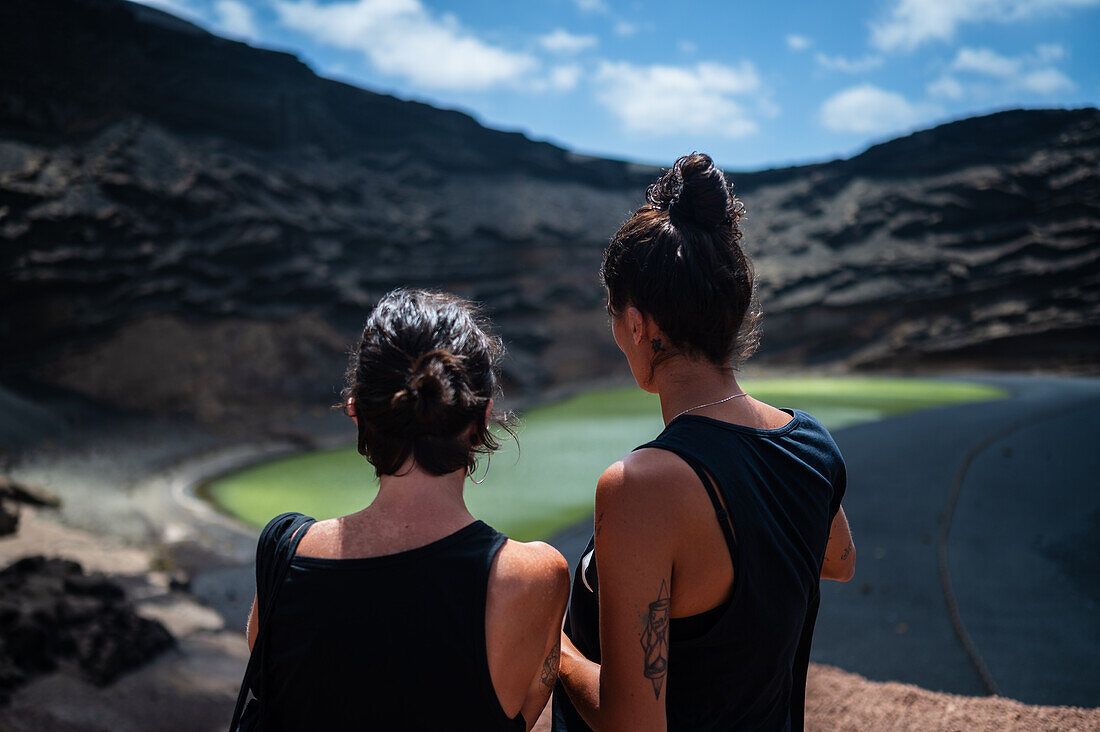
(395, 642)
(741, 665)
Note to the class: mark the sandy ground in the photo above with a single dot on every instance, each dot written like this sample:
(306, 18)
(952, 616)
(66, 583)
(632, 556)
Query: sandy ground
(194, 687)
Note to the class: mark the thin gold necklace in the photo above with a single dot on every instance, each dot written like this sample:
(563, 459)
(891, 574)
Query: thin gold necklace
(710, 404)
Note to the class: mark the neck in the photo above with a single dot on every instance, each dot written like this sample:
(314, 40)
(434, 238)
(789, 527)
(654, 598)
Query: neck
(417, 497)
(684, 383)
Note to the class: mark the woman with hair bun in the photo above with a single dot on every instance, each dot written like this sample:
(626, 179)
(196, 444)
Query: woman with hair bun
(711, 539)
(411, 614)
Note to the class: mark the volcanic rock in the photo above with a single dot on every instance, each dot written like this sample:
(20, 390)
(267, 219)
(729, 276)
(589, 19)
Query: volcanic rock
(28, 494)
(51, 613)
(9, 518)
(189, 223)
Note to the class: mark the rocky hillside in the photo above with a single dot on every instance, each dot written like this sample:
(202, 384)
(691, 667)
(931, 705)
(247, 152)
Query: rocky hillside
(190, 223)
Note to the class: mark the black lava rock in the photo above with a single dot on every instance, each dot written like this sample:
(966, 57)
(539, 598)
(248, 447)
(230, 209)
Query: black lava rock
(52, 613)
(9, 518)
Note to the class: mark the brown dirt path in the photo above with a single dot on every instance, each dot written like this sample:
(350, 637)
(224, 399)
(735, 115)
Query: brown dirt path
(839, 701)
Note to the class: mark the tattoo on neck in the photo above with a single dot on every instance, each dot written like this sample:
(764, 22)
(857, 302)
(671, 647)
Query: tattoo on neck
(655, 640)
(658, 347)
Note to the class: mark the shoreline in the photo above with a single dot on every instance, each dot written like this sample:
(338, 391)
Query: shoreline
(159, 484)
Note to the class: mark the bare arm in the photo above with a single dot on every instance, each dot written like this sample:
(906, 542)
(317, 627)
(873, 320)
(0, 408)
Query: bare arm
(840, 553)
(253, 625)
(528, 591)
(538, 691)
(633, 551)
(581, 679)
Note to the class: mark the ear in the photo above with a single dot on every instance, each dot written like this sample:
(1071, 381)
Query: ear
(352, 411)
(636, 321)
(472, 430)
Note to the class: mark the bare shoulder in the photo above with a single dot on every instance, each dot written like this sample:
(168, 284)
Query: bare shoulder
(528, 591)
(320, 538)
(533, 569)
(641, 480)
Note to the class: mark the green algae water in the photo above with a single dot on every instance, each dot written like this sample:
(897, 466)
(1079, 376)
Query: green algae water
(548, 482)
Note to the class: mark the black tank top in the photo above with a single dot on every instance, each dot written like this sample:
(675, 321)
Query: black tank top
(741, 665)
(395, 642)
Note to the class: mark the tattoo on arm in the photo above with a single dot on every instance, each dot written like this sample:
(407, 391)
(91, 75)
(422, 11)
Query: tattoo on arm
(846, 552)
(550, 666)
(599, 523)
(657, 345)
(655, 640)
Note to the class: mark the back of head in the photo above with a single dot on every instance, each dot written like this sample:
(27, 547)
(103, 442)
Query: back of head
(422, 376)
(679, 260)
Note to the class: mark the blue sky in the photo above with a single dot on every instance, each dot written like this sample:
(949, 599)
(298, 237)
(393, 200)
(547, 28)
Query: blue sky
(754, 84)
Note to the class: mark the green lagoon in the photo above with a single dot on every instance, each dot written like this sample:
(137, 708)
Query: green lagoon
(548, 482)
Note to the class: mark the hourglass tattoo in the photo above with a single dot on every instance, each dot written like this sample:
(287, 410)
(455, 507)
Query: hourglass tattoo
(655, 640)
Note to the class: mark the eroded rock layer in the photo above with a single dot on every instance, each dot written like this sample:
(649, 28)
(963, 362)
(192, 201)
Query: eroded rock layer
(190, 223)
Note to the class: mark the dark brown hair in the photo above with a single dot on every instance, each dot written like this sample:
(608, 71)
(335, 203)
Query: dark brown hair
(679, 261)
(422, 375)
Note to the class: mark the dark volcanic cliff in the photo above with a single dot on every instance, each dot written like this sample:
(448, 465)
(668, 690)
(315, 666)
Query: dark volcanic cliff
(189, 222)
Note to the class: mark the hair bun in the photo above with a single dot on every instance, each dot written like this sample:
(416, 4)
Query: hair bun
(430, 389)
(694, 191)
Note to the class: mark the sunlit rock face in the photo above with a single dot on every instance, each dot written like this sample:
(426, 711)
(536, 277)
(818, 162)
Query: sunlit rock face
(973, 244)
(190, 223)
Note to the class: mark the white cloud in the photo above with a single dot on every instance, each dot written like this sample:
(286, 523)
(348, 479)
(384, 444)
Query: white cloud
(562, 41)
(560, 79)
(912, 23)
(985, 61)
(179, 8)
(591, 6)
(796, 42)
(687, 47)
(235, 18)
(619, 26)
(625, 28)
(563, 78)
(1047, 52)
(1028, 72)
(947, 87)
(868, 109)
(402, 38)
(1046, 81)
(664, 100)
(847, 65)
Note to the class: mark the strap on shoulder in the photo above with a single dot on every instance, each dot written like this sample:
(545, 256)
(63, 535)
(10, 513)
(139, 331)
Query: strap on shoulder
(705, 478)
(274, 551)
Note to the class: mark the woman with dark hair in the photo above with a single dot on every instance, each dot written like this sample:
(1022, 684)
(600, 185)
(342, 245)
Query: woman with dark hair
(411, 614)
(711, 539)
